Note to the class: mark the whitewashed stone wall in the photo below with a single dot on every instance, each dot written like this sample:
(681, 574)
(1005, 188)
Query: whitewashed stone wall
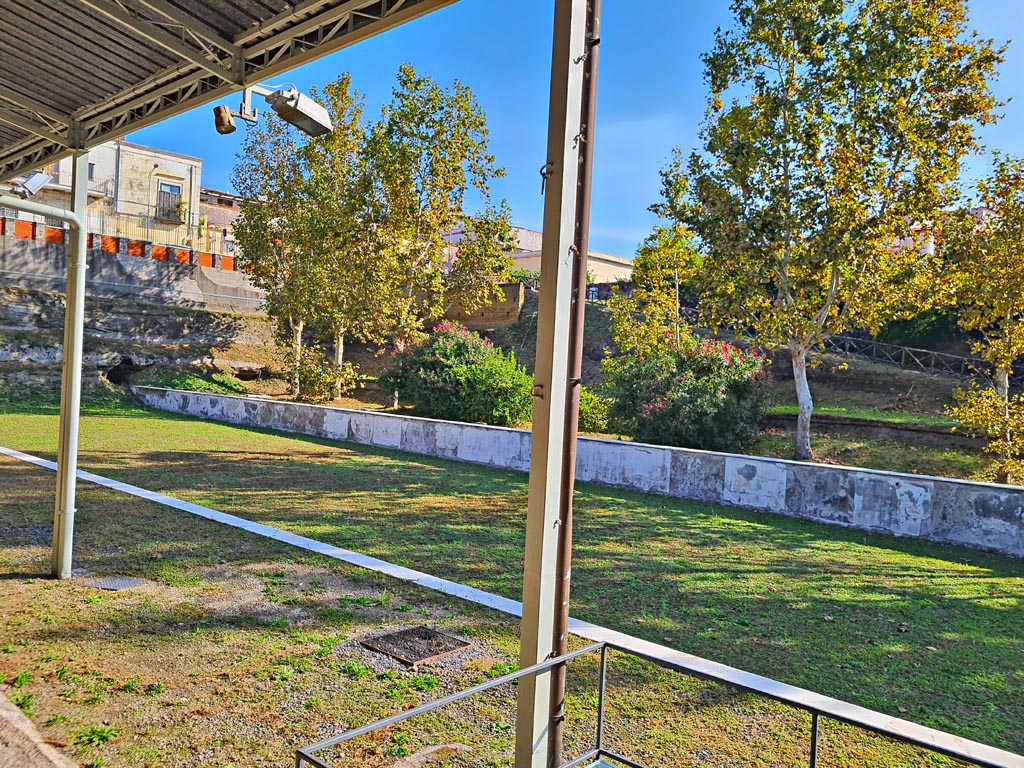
(973, 514)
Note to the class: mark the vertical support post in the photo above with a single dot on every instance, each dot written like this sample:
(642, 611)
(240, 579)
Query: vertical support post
(814, 740)
(581, 250)
(71, 376)
(546, 480)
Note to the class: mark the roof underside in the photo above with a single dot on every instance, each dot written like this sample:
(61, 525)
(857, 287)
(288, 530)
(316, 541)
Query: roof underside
(76, 73)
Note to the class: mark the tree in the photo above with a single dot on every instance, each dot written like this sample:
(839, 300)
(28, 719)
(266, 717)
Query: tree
(344, 281)
(985, 247)
(665, 264)
(845, 125)
(272, 226)
(421, 162)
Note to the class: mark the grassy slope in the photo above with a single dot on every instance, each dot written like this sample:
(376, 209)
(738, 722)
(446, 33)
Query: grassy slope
(930, 632)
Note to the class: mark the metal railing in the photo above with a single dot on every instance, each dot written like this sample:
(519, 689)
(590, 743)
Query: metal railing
(819, 707)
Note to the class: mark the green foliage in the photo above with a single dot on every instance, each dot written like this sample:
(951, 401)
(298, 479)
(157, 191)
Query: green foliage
(663, 274)
(209, 380)
(26, 702)
(424, 683)
(925, 329)
(831, 124)
(320, 379)
(355, 669)
(94, 735)
(455, 374)
(983, 246)
(353, 234)
(984, 412)
(593, 411)
(425, 160)
(21, 679)
(527, 277)
(710, 395)
(399, 746)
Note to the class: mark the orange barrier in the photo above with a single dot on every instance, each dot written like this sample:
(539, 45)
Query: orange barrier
(182, 256)
(160, 252)
(205, 259)
(227, 263)
(24, 230)
(110, 244)
(54, 234)
(136, 248)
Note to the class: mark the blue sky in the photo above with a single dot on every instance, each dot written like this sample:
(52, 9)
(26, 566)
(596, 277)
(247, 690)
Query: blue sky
(651, 95)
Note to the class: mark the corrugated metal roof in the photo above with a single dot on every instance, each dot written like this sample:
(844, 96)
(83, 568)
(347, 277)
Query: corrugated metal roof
(75, 73)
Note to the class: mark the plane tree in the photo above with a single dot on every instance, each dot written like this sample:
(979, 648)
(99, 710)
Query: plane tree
(833, 128)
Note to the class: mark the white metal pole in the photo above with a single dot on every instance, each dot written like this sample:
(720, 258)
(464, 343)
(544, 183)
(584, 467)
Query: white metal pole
(71, 379)
(567, 82)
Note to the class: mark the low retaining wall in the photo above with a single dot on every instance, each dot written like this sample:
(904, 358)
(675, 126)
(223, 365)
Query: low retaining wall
(973, 514)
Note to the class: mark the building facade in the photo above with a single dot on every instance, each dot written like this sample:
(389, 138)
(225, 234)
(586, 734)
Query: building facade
(135, 192)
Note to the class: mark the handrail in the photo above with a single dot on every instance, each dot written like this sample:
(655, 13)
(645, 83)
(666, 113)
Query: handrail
(972, 752)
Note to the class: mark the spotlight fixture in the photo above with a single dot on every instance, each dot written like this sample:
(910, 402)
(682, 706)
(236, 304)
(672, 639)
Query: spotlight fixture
(293, 107)
(32, 184)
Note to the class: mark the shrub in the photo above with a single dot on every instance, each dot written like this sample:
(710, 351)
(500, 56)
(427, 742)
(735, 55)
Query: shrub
(982, 412)
(709, 395)
(321, 380)
(593, 411)
(457, 375)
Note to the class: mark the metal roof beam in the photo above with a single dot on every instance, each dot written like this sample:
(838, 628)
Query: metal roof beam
(157, 35)
(192, 26)
(23, 101)
(36, 129)
(192, 83)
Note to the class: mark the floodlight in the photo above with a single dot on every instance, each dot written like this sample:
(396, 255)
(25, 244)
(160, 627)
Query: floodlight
(301, 111)
(32, 184)
(291, 106)
(223, 120)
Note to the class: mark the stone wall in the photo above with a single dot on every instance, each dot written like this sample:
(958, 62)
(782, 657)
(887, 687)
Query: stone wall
(504, 311)
(977, 515)
(42, 265)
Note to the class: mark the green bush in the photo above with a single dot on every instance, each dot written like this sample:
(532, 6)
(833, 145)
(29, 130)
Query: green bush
(320, 379)
(709, 395)
(593, 411)
(455, 374)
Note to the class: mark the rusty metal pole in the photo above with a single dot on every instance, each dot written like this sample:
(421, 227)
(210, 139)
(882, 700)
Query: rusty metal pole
(581, 245)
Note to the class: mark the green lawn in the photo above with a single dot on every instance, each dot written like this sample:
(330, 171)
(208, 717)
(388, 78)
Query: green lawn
(931, 633)
(899, 418)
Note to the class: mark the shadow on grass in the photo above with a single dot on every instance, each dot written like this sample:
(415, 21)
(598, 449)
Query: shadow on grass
(930, 632)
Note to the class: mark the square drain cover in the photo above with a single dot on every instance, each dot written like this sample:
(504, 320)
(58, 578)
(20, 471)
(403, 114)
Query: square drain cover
(416, 645)
(114, 583)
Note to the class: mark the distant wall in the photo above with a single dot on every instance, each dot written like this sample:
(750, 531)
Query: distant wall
(504, 311)
(958, 512)
(149, 274)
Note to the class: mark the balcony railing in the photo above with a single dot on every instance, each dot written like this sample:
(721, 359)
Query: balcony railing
(599, 752)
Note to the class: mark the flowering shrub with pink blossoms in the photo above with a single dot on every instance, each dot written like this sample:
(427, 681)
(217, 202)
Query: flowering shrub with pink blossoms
(707, 394)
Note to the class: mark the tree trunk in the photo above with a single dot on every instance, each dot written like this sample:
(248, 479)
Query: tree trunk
(339, 358)
(1002, 382)
(804, 401)
(297, 327)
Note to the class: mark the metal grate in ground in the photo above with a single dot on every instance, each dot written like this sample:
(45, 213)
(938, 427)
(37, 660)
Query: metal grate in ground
(419, 645)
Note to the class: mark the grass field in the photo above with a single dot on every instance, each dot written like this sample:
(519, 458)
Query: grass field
(931, 633)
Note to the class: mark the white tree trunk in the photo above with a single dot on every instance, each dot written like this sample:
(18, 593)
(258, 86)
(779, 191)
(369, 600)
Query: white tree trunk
(804, 401)
(297, 327)
(339, 358)
(1002, 382)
